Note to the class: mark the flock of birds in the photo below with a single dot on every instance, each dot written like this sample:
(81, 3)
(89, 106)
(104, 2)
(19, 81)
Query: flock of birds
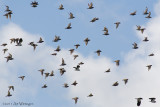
(19, 41)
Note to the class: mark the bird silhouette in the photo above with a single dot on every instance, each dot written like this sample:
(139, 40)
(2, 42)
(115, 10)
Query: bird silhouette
(139, 101)
(75, 99)
(135, 46)
(90, 5)
(86, 41)
(9, 57)
(115, 84)
(69, 26)
(71, 16)
(98, 52)
(44, 86)
(125, 81)
(152, 100)
(149, 67)
(117, 62)
(61, 7)
(117, 24)
(40, 40)
(133, 13)
(74, 83)
(22, 77)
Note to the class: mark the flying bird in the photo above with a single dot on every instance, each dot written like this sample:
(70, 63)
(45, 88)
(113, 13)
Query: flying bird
(86, 41)
(42, 71)
(90, 6)
(98, 52)
(44, 86)
(149, 67)
(62, 71)
(63, 63)
(117, 62)
(61, 7)
(71, 51)
(40, 40)
(57, 49)
(115, 84)
(71, 16)
(52, 73)
(133, 13)
(90, 95)
(125, 81)
(138, 27)
(152, 54)
(145, 39)
(74, 83)
(9, 94)
(108, 70)
(56, 38)
(117, 24)
(142, 30)
(139, 101)
(54, 54)
(11, 87)
(65, 85)
(34, 4)
(149, 15)
(106, 31)
(81, 63)
(4, 44)
(9, 57)
(22, 77)
(4, 50)
(46, 74)
(75, 99)
(146, 11)
(94, 19)
(69, 26)
(135, 46)
(152, 100)
(75, 56)
(77, 68)
(77, 45)
(8, 14)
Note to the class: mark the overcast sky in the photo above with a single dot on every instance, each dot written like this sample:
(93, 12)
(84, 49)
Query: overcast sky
(47, 20)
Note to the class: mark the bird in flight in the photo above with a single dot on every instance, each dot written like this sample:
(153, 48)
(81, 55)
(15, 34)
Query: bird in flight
(117, 62)
(139, 101)
(98, 52)
(61, 7)
(44, 86)
(152, 100)
(40, 40)
(22, 77)
(90, 95)
(115, 84)
(86, 41)
(9, 57)
(75, 99)
(125, 81)
(135, 45)
(90, 6)
(34, 4)
(69, 26)
(117, 24)
(71, 16)
(149, 67)
(133, 13)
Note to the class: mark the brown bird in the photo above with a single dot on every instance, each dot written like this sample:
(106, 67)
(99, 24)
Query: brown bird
(98, 52)
(58, 49)
(52, 73)
(11, 87)
(4, 44)
(4, 50)
(74, 83)
(12, 40)
(75, 99)
(62, 71)
(108, 70)
(125, 81)
(115, 84)
(71, 16)
(149, 67)
(90, 95)
(106, 31)
(146, 11)
(142, 30)
(22, 77)
(46, 74)
(77, 68)
(40, 40)
(65, 85)
(61, 7)
(94, 19)
(151, 54)
(63, 63)
(18, 41)
(149, 15)
(86, 41)
(117, 24)
(69, 26)
(77, 45)
(71, 51)
(90, 6)
(7, 9)
(139, 101)
(133, 13)
(42, 71)
(9, 94)
(8, 14)
(138, 27)
(81, 63)
(117, 62)
(135, 46)
(54, 54)
(34, 4)
(75, 56)
(56, 38)
(44, 86)
(145, 39)
(34, 46)
(9, 57)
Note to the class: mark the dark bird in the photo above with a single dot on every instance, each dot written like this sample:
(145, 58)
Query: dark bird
(46, 74)
(75, 56)
(74, 83)
(106, 32)
(71, 16)
(125, 81)
(133, 13)
(11, 87)
(71, 51)
(142, 30)
(19, 41)
(115, 84)
(9, 94)
(42, 71)
(105, 29)
(145, 39)
(22, 77)
(149, 15)
(77, 68)
(75, 99)
(138, 27)
(117, 62)
(151, 54)
(94, 19)
(90, 6)
(98, 52)
(117, 24)
(4, 50)
(152, 100)
(146, 11)
(108, 70)
(56, 38)
(52, 73)
(63, 63)
(34, 46)
(149, 67)
(86, 41)
(135, 46)
(65, 85)
(40, 40)
(8, 14)
(77, 45)
(44, 86)
(62, 71)
(61, 7)
(9, 57)
(34, 4)
(139, 101)
(7, 9)
(81, 63)
(69, 26)
(12, 40)
(54, 54)
(4, 44)
(58, 49)
(90, 95)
